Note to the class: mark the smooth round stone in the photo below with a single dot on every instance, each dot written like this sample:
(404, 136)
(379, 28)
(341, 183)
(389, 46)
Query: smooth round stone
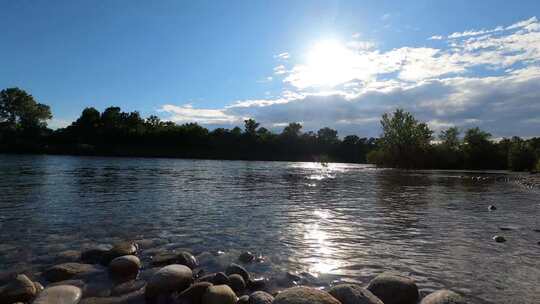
(394, 289)
(169, 279)
(243, 300)
(195, 292)
(246, 257)
(443, 296)
(237, 283)
(499, 239)
(69, 255)
(237, 269)
(125, 266)
(188, 259)
(257, 283)
(61, 294)
(220, 279)
(260, 297)
(219, 294)
(120, 249)
(492, 208)
(304, 295)
(67, 271)
(353, 294)
(127, 287)
(20, 289)
(182, 258)
(95, 255)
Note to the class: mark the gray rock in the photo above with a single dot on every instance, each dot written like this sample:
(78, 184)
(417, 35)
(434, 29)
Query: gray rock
(394, 289)
(127, 287)
(237, 269)
(260, 297)
(220, 294)
(194, 293)
(19, 289)
(499, 239)
(171, 278)
(61, 294)
(67, 271)
(182, 258)
(125, 266)
(237, 283)
(257, 283)
(95, 255)
(69, 256)
(443, 296)
(353, 294)
(304, 295)
(118, 250)
(243, 300)
(246, 257)
(492, 208)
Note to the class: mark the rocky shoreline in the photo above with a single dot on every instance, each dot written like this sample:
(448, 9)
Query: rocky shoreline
(177, 277)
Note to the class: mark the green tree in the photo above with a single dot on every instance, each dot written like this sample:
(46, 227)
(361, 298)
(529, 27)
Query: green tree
(520, 155)
(327, 136)
(294, 129)
(450, 138)
(478, 149)
(19, 110)
(405, 141)
(250, 127)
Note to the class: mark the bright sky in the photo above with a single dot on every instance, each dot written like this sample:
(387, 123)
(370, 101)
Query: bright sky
(323, 63)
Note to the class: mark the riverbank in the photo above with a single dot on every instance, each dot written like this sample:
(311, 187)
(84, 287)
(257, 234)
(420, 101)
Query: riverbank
(127, 273)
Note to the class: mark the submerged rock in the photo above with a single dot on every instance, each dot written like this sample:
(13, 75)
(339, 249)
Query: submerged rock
(237, 283)
(394, 289)
(127, 287)
(20, 289)
(118, 250)
(237, 269)
(443, 296)
(353, 294)
(257, 283)
(67, 271)
(220, 294)
(246, 257)
(95, 255)
(260, 297)
(61, 294)
(304, 295)
(194, 293)
(182, 258)
(492, 208)
(125, 266)
(172, 278)
(499, 239)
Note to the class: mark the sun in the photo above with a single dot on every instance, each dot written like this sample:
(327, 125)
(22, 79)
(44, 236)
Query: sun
(329, 63)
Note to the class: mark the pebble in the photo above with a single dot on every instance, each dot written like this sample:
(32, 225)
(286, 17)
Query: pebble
(394, 289)
(237, 283)
(194, 293)
(118, 250)
(20, 289)
(169, 279)
(353, 294)
(60, 294)
(67, 271)
(443, 296)
(492, 208)
(260, 297)
(237, 269)
(220, 294)
(125, 266)
(499, 239)
(304, 295)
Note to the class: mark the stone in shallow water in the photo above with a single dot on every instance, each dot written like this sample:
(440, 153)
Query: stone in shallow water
(220, 294)
(136, 297)
(243, 300)
(127, 287)
(125, 266)
(304, 295)
(260, 297)
(237, 283)
(169, 279)
(394, 289)
(118, 250)
(182, 258)
(353, 294)
(237, 269)
(95, 255)
(246, 257)
(499, 239)
(443, 296)
(194, 293)
(67, 271)
(20, 288)
(61, 294)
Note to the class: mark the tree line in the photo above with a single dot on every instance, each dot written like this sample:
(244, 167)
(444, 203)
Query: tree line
(404, 142)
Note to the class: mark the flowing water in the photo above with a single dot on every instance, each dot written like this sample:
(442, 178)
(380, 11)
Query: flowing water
(338, 221)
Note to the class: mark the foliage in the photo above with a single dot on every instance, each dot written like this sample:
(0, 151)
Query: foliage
(19, 110)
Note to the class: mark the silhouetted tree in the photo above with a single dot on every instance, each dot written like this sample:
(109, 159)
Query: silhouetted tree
(19, 110)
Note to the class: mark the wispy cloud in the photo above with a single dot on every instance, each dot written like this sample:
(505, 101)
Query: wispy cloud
(441, 85)
(283, 56)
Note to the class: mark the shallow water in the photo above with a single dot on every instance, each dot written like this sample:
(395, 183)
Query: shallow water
(338, 222)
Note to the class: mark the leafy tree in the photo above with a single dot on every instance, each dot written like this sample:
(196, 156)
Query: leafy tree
(327, 136)
(479, 152)
(405, 141)
(520, 156)
(294, 129)
(19, 110)
(450, 138)
(250, 127)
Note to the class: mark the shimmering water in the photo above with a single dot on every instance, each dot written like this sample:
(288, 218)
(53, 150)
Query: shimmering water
(338, 222)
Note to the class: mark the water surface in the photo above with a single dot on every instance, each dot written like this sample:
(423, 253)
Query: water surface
(338, 222)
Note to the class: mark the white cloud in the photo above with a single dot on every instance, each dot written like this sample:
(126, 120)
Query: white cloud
(436, 37)
(442, 86)
(283, 56)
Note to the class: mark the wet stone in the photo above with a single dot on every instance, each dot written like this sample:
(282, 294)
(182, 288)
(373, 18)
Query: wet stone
(246, 257)
(443, 296)
(172, 278)
(19, 289)
(194, 293)
(353, 294)
(118, 250)
(125, 266)
(237, 283)
(95, 255)
(243, 300)
(237, 269)
(67, 271)
(394, 289)
(127, 287)
(220, 294)
(499, 239)
(64, 294)
(304, 295)
(260, 297)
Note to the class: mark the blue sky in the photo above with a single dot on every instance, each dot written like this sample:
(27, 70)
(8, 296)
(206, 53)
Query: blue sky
(342, 63)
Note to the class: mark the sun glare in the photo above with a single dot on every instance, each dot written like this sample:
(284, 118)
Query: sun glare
(329, 63)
